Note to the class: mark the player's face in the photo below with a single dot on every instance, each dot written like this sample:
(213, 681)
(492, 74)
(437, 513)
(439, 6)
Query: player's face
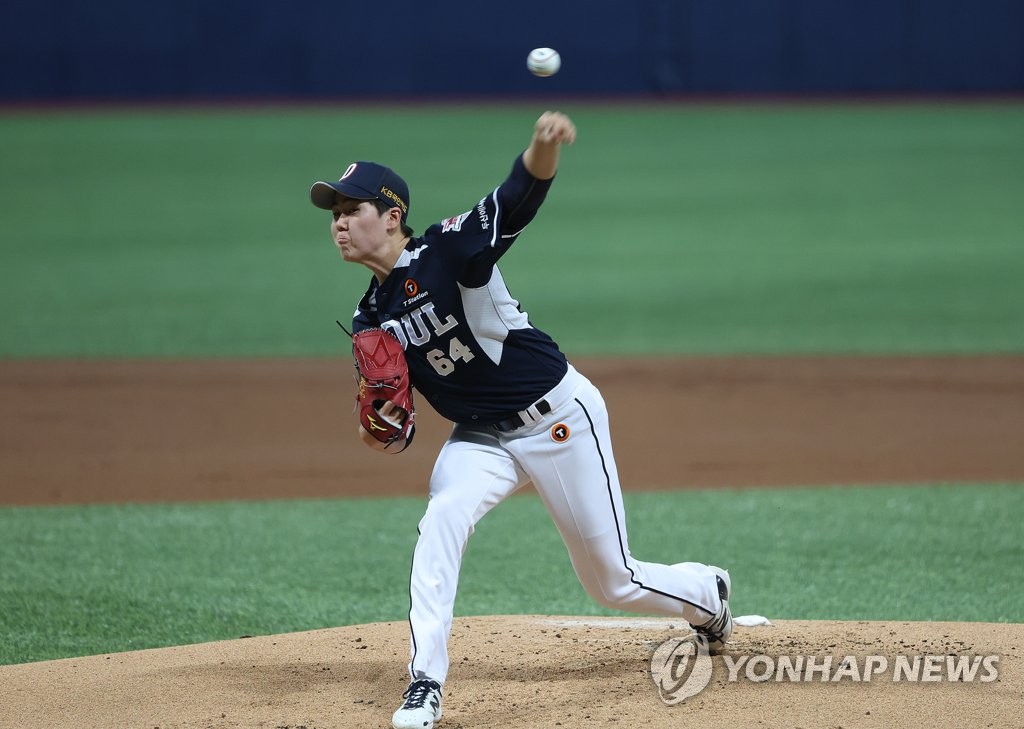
(357, 229)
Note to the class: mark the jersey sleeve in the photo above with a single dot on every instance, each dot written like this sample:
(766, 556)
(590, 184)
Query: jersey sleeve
(473, 241)
(520, 196)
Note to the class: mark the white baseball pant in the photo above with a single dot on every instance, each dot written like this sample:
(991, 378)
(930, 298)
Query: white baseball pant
(577, 481)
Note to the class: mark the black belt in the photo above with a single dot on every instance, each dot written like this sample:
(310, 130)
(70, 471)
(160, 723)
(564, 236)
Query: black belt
(516, 421)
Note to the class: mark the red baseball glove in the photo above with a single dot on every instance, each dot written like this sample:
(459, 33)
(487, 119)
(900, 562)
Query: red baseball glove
(384, 378)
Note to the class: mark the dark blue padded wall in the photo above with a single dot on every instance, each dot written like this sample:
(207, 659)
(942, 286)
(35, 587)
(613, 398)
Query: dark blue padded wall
(269, 49)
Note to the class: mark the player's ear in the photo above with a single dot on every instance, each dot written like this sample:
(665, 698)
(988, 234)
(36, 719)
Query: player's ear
(394, 219)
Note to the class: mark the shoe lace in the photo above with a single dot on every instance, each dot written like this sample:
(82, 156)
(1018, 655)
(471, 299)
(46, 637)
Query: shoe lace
(416, 695)
(716, 628)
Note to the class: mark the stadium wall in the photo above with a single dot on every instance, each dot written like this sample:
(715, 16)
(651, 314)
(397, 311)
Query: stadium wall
(268, 49)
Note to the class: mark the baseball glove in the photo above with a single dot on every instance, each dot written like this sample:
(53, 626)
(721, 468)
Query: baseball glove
(384, 377)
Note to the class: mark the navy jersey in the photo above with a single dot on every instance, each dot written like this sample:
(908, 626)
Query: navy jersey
(472, 351)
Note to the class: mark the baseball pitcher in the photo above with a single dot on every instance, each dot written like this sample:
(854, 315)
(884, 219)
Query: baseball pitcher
(438, 317)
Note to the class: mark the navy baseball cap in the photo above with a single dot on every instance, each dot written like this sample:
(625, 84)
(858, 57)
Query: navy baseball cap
(364, 181)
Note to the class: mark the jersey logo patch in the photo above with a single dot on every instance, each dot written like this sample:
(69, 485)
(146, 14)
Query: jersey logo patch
(411, 288)
(560, 433)
(454, 223)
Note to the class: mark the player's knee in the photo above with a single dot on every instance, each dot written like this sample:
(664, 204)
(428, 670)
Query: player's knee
(604, 600)
(614, 599)
(447, 513)
(613, 588)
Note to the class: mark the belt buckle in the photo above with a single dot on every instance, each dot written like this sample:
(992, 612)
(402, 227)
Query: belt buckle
(517, 421)
(508, 424)
(536, 411)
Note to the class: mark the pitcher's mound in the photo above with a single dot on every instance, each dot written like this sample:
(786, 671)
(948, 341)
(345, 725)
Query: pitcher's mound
(544, 671)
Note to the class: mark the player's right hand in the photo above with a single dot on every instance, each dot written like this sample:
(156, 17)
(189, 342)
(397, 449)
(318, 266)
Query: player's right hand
(554, 127)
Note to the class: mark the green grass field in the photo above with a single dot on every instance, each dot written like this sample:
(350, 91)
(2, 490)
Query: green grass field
(672, 229)
(82, 581)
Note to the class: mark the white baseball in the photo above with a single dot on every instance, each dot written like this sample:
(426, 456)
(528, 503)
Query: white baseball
(544, 62)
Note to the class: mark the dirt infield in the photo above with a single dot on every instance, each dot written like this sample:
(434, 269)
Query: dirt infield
(87, 432)
(173, 431)
(528, 671)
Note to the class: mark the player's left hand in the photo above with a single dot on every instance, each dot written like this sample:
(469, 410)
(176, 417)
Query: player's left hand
(387, 416)
(395, 417)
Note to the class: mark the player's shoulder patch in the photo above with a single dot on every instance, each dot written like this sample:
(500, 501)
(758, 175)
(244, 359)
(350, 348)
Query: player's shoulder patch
(454, 223)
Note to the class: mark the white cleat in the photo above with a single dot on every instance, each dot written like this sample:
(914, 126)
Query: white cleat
(421, 708)
(718, 630)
